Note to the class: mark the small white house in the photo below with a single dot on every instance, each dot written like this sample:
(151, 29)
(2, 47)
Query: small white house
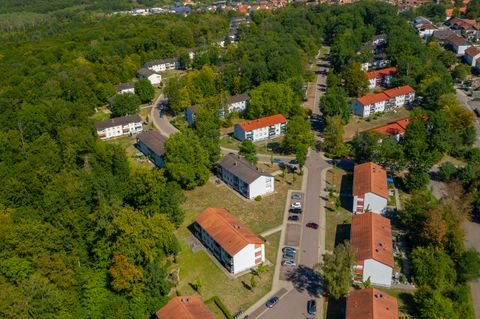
(237, 104)
(472, 54)
(119, 126)
(261, 129)
(370, 189)
(124, 88)
(234, 245)
(162, 65)
(381, 77)
(152, 76)
(152, 144)
(244, 177)
(371, 240)
(424, 27)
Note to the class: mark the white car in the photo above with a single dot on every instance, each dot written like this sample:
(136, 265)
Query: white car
(296, 205)
(289, 263)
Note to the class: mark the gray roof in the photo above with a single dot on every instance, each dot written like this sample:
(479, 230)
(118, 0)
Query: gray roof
(160, 61)
(239, 98)
(241, 168)
(123, 120)
(194, 108)
(145, 72)
(153, 140)
(124, 86)
(442, 34)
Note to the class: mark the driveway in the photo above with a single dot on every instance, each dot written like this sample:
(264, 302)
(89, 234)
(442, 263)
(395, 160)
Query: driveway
(161, 123)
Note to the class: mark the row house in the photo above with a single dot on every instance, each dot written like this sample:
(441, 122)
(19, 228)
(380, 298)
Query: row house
(236, 247)
(371, 303)
(457, 44)
(472, 56)
(244, 177)
(424, 27)
(125, 88)
(370, 189)
(381, 77)
(162, 65)
(152, 145)
(465, 26)
(377, 61)
(441, 35)
(261, 129)
(384, 101)
(119, 126)
(237, 104)
(184, 307)
(371, 240)
(395, 129)
(152, 76)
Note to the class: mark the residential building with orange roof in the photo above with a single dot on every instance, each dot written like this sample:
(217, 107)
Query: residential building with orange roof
(371, 240)
(370, 189)
(234, 245)
(261, 129)
(384, 101)
(396, 129)
(381, 77)
(186, 307)
(399, 96)
(371, 303)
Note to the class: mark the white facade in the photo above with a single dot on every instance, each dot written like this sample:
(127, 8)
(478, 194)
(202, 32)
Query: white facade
(120, 130)
(248, 257)
(155, 79)
(263, 185)
(472, 61)
(259, 134)
(367, 110)
(130, 90)
(369, 202)
(379, 273)
(163, 66)
(372, 83)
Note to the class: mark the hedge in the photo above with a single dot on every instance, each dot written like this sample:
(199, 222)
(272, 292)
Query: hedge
(219, 304)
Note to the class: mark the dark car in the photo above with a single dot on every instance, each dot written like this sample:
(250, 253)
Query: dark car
(271, 302)
(297, 196)
(312, 307)
(296, 210)
(277, 160)
(286, 248)
(293, 162)
(293, 217)
(312, 225)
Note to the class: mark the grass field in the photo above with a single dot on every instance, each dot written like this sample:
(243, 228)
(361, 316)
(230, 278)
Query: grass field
(357, 124)
(273, 146)
(127, 143)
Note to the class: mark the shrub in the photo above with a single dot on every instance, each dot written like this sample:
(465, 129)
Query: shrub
(258, 198)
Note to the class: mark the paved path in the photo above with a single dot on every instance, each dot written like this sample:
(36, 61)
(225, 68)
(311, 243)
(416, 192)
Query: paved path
(472, 240)
(467, 102)
(161, 123)
(271, 231)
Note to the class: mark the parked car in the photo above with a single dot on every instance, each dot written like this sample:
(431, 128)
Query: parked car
(297, 196)
(288, 263)
(296, 205)
(284, 249)
(271, 302)
(312, 225)
(293, 162)
(277, 160)
(296, 210)
(312, 307)
(287, 254)
(293, 217)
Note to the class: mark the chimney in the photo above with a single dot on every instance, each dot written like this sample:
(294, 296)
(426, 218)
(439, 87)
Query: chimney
(234, 163)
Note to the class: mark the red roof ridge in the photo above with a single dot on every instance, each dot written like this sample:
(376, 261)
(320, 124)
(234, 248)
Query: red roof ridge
(401, 90)
(262, 122)
(374, 98)
(364, 181)
(381, 72)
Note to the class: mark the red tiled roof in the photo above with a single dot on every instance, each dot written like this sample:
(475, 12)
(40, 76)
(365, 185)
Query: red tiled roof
(456, 40)
(370, 178)
(371, 303)
(393, 128)
(401, 90)
(226, 230)
(263, 122)
(472, 51)
(189, 307)
(371, 238)
(374, 98)
(382, 72)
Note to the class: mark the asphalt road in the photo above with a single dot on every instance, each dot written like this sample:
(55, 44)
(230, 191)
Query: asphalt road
(306, 283)
(467, 102)
(161, 123)
(472, 240)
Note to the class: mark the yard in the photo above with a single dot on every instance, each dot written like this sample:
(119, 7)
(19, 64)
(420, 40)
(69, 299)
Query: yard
(273, 146)
(404, 299)
(357, 124)
(259, 216)
(135, 157)
(338, 214)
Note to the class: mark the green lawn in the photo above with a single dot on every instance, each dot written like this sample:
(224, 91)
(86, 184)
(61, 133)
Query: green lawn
(357, 124)
(271, 245)
(273, 146)
(127, 143)
(404, 299)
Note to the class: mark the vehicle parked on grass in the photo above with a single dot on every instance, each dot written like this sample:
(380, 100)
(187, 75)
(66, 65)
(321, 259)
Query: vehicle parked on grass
(271, 302)
(288, 263)
(312, 307)
(296, 205)
(312, 225)
(293, 218)
(296, 210)
(296, 196)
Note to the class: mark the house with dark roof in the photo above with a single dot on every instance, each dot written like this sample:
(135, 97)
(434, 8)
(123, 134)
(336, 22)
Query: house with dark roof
(190, 113)
(119, 126)
(457, 44)
(441, 35)
(261, 129)
(384, 101)
(184, 307)
(236, 247)
(371, 240)
(424, 27)
(472, 54)
(152, 144)
(162, 65)
(244, 177)
(381, 77)
(370, 189)
(150, 75)
(236, 104)
(124, 88)
(371, 303)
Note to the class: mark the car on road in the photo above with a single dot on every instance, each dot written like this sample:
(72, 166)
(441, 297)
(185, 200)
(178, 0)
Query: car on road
(277, 160)
(286, 248)
(312, 307)
(288, 263)
(296, 210)
(297, 196)
(312, 225)
(296, 205)
(271, 302)
(293, 217)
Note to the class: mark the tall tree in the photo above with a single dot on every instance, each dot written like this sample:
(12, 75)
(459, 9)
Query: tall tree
(272, 98)
(333, 138)
(248, 150)
(207, 128)
(125, 104)
(356, 81)
(337, 270)
(298, 132)
(144, 90)
(335, 103)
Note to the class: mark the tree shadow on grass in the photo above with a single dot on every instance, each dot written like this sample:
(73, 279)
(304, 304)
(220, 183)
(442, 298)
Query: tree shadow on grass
(336, 308)
(246, 286)
(306, 279)
(408, 303)
(342, 233)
